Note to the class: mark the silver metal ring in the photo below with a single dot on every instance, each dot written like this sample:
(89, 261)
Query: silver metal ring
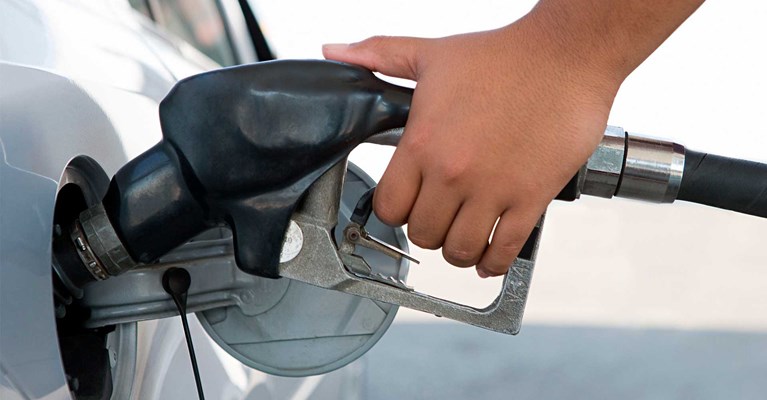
(652, 171)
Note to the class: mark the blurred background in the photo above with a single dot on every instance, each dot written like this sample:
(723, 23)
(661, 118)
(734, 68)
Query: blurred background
(628, 300)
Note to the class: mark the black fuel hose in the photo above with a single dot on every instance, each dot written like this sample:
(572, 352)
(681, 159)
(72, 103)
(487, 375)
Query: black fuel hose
(727, 183)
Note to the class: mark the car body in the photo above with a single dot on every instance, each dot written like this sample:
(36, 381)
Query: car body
(80, 84)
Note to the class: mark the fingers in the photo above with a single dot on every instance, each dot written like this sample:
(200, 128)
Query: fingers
(432, 215)
(397, 191)
(393, 56)
(510, 235)
(436, 214)
(469, 234)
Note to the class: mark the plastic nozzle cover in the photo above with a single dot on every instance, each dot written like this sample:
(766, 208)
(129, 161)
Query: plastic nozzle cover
(240, 147)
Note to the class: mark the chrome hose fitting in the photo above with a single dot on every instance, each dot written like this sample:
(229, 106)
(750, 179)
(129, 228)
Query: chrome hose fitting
(652, 171)
(635, 167)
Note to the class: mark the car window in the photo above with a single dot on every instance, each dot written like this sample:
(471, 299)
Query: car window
(198, 22)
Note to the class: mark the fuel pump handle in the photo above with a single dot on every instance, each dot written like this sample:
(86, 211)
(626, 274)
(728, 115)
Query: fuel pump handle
(240, 148)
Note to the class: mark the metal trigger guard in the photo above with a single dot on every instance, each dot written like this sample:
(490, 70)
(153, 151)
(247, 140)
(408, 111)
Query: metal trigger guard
(319, 262)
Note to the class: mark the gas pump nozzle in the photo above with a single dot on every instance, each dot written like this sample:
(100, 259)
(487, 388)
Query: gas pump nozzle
(262, 149)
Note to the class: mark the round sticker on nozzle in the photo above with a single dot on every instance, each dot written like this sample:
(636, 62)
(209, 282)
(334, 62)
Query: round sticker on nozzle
(293, 242)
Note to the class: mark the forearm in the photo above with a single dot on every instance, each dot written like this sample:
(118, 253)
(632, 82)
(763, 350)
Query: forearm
(614, 36)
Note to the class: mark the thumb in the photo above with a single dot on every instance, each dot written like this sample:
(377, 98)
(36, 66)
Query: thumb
(393, 56)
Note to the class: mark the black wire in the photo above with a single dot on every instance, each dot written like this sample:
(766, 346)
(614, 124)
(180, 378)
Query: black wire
(176, 282)
(190, 346)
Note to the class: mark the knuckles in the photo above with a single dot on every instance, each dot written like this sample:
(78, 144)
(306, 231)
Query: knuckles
(452, 172)
(508, 249)
(460, 257)
(496, 271)
(387, 211)
(504, 254)
(421, 240)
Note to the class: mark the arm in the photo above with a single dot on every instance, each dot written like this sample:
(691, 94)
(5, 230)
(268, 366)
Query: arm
(502, 119)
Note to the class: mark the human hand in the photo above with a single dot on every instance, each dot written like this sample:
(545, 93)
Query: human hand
(500, 121)
(497, 127)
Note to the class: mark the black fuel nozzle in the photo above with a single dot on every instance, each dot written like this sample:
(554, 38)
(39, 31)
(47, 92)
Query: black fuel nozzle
(240, 148)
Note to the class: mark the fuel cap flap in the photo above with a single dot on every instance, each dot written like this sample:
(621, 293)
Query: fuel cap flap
(309, 330)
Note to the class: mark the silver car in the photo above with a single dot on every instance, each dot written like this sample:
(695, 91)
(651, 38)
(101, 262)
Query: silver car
(80, 84)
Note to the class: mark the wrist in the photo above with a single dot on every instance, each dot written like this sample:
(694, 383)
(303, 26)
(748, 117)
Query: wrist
(575, 48)
(610, 38)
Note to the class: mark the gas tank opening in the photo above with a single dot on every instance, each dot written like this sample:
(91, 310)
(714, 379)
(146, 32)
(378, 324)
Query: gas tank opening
(98, 362)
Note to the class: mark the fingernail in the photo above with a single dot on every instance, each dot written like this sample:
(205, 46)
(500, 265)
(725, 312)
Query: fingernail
(334, 47)
(482, 274)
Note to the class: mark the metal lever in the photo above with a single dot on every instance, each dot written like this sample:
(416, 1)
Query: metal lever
(355, 233)
(329, 267)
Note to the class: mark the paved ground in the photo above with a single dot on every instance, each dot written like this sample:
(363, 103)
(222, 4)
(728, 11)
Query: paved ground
(454, 362)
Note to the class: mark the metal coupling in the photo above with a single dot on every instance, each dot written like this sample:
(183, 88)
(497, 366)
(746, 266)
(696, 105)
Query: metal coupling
(652, 171)
(604, 167)
(98, 245)
(634, 167)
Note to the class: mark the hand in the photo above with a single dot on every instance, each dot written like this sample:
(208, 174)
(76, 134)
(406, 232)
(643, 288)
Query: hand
(500, 121)
(497, 127)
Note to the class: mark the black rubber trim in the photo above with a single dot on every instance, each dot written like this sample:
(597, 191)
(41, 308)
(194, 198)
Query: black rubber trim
(364, 208)
(722, 182)
(529, 248)
(263, 51)
(570, 191)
